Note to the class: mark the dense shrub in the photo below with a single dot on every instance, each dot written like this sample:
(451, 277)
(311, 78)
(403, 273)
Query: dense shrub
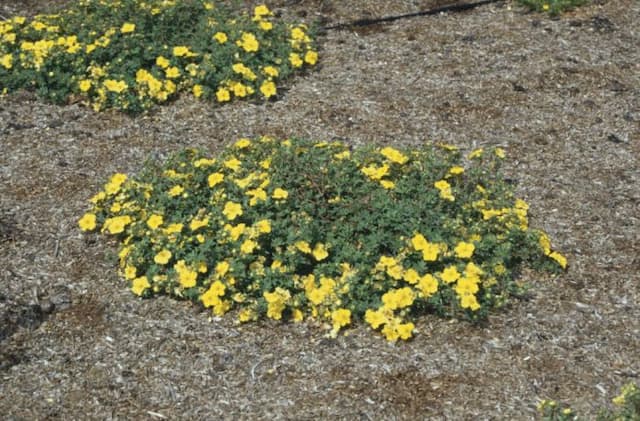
(295, 229)
(131, 54)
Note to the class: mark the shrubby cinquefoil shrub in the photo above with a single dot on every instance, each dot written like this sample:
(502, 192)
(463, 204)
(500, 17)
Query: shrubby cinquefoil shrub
(627, 408)
(295, 229)
(131, 54)
(553, 7)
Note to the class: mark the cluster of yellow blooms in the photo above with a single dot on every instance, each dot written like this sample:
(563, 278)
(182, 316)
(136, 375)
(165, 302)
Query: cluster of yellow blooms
(257, 54)
(226, 252)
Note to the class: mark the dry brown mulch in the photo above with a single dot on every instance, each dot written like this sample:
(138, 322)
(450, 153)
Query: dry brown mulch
(562, 96)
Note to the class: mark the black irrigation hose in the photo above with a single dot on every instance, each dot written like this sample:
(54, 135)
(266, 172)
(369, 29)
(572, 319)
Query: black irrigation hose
(458, 7)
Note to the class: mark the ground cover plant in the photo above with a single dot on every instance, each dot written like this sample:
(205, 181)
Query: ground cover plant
(295, 229)
(553, 7)
(131, 54)
(627, 408)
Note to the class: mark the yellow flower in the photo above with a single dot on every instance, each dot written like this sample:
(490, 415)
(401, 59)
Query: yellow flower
(6, 61)
(411, 276)
(456, 170)
(320, 252)
(154, 221)
(222, 268)
(233, 164)
(419, 242)
(477, 153)
(340, 318)
(84, 85)
(405, 330)
(298, 34)
(246, 314)
(268, 89)
(176, 191)
(116, 86)
(139, 285)
(248, 246)
(162, 258)
(265, 25)
(374, 172)
(387, 184)
(316, 296)
(198, 223)
(213, 294)
(279, 193)
(173, 228)
(464, 250)
(256, 196)
(248, 42)
(395, 271)
(545, 243)
(445, 190)
(499, 152)
(172, 72)
(270, 71)
(263, 226)
(295, 60)
(235, 231)
(127, 27)
(545, 7)
(240, 90)
(87, 222)
(473, 271)
(261, 10)
(114, 183)
(98, 197)
(398, 298)
(562, 261)
(375, 318)
(221, 37)
(466, 285)
(244, 71)
(303, 246)
(242, 143)
(429, 250)
(394, 155)
(130, 272)
(162, 62)
(215, 179)
(311, 57)
(386, 262)
(297, 315)
(232, 210)
(342, 155)
(468, 300)
(182, 51)
(117, 224)
(276, 302)
(428, 285)
(450, 274)
(203, 162)
(186, 276)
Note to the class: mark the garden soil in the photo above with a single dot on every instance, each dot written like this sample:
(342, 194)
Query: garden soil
(561, 96)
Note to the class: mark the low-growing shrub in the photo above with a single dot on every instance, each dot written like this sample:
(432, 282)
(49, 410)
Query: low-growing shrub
(131, 54)
(627, 408)
(296, 229)
(553, 7)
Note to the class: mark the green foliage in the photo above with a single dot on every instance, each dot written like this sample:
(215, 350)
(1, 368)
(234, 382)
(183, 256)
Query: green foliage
(132, 54)
(553, 7)
(627, 408)
(295, 229)
(627, 405)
